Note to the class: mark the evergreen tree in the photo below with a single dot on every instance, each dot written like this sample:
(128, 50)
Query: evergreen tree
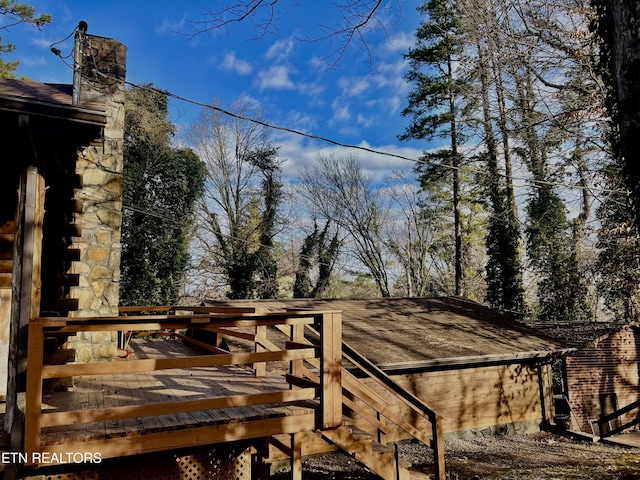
(16, 13)
(619, 249)
(161, 186)
(434, 105)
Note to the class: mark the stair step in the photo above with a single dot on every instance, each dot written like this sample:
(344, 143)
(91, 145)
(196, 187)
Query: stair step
(417, 474)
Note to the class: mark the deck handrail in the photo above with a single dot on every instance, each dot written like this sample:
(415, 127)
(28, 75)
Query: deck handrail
(614, 415)
(325, 393)
(436, 442)
(354, 387)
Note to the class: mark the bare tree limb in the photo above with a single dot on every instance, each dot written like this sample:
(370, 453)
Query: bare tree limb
(357, 18)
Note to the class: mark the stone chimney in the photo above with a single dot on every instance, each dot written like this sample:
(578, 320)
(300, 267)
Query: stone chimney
(99, 166)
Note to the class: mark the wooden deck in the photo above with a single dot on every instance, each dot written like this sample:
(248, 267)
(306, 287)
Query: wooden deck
(173, 385)
(167, 396)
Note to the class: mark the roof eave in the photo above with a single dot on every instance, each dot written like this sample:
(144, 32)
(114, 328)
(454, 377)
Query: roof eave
(50, 110)
(456, 363)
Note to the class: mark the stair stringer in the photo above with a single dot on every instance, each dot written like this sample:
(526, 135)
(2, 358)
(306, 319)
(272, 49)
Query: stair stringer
(360, 445)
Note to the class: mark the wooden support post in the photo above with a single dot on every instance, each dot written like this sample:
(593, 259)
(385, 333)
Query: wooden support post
(296, 456)
(331, 370)
(259, 468)
(33, 397)
(297, 366)
(438, 447)
(26, 291)
(260, 368)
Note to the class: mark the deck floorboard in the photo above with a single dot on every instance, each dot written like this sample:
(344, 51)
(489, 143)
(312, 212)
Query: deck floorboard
(139, 388)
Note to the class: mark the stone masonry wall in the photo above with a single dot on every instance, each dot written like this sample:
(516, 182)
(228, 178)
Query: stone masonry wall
(100, 166)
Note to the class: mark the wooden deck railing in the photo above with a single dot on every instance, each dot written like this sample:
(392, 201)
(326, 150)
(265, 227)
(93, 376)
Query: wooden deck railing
(617, 414)
(323, 386)
(376, 410)
(383, 410)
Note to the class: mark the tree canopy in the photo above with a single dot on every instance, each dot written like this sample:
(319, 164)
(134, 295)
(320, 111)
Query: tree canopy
(162, 185)
(16, 13)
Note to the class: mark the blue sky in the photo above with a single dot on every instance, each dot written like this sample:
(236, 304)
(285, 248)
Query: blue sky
(290, 79)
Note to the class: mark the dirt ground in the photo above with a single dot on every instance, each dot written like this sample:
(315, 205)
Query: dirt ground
(540, 456)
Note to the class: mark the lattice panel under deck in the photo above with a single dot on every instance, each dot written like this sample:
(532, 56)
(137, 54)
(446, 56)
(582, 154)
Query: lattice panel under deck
(217, 464)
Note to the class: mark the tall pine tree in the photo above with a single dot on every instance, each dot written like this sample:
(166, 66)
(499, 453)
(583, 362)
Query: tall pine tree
(434, 105)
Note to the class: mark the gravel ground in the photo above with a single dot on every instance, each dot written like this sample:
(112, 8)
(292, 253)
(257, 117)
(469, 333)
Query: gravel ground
(540, 456)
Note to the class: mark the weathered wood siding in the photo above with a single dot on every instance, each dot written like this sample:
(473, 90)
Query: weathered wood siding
(474, 398)
(603, 376)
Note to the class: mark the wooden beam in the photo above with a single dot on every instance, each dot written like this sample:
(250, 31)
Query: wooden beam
(169, 440)
(33, 397)
(437, 444)
(331, 370)
(296, 456)
(25, 304)
(147, 365)
(215, 321)
(51, 418)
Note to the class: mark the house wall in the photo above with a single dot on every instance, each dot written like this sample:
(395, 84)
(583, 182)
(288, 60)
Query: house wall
(603, 376)
(475, 399)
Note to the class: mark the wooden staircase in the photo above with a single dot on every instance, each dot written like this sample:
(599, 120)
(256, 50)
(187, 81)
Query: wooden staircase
(358, 444)
(361, 402)
(380, 459)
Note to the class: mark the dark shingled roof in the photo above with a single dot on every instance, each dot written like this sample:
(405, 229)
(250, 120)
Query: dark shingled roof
(48, 99)
(392, 331)
(577, 334)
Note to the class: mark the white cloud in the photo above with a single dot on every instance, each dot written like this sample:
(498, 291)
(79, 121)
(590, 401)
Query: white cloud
(45, 43)
(401, 42)
(365, 121)
(170, 26)
(231, 63)
(275, 77)
(281, 49)
(33, 61)
(301, 152)
(352, 86)
(341, 110)
(390, 75)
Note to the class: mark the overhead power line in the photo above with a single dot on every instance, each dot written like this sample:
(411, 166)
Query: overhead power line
(320, 138)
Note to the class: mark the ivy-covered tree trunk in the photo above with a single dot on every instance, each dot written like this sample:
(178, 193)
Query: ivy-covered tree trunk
(618, 27)
(320, 251)
(504, 269)
(161, 186)
(240, 202)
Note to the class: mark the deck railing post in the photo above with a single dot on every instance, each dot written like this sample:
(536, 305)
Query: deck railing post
(33, 400)
(331, 370)
(260, 368)
(438, 447)
(297, 335)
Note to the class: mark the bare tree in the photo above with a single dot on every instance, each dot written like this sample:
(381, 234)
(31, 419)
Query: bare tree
(340, 191)
(240, 199)
(410, 238)
(355, 20)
